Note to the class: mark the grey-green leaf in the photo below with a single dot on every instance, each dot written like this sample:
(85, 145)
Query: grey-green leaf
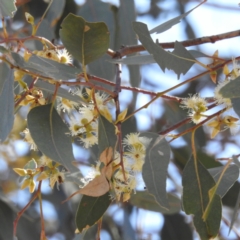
(7, 217)
(165, 26)
(143, 199)
(7, 8)
(197, 182)
(231, 89)
(51, 136)
(135, 60)
(229, 178)
(180, 60)
(6, 101)
(106, 134)
(46, 67)
(236, 105)
(154, 169)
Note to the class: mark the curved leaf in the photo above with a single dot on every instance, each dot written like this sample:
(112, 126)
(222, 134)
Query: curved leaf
(46, 67)
(154, 169)
(197, 182)
(90, 210)
(84, 40)
(6, 101)
(50, 134)
(143, 199)
(180, 60)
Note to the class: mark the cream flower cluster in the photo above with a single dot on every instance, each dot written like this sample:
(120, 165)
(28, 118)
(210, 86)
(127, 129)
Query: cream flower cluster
(197, 106)
(133, 160)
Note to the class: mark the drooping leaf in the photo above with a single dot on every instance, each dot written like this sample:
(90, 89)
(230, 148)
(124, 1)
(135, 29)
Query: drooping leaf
(7, 8)
(126, 14)
(197, 182)
(6, 101)
(90, 210)
(106, 134)
(235, 212)
(7, 217)
(50, 134)
(143, 199)
(154, 170)
(232, 89)
(55, 12)
(229, 178)
(180, 60)
(165, 26)
(84, 40)
(46, 67)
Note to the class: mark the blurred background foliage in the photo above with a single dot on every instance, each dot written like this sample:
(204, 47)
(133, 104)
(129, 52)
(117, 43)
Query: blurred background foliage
(122, 221)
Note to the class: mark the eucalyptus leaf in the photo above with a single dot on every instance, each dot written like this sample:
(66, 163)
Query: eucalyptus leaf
(197, 182)
(61, 92)
(106, 134)
(84, 40)
(154, 170)
(167, 25)
(46, 68)
(6, 101)
(180, 60)
(7, 218)
(7, 8)
(55, 11)
(90, 210)
(231, 89)
(229, 178)
(236, 105)
(143, 199)
(51, 136)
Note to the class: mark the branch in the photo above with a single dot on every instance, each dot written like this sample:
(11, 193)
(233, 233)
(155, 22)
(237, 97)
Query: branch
(192, 42)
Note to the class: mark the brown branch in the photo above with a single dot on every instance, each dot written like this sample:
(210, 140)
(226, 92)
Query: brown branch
(187, 43)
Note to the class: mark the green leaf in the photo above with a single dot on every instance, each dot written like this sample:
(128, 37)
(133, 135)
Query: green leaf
(46, 67)
(51, 136)
(180, 60)
(229, 178)
(154, 169)
(106, 134)
(232, 89)
(7, 8)
(197, 182)
(7, 217)
(90, 210)
(84, 40)
(167, 25)
(143, 199)
(6, 101)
